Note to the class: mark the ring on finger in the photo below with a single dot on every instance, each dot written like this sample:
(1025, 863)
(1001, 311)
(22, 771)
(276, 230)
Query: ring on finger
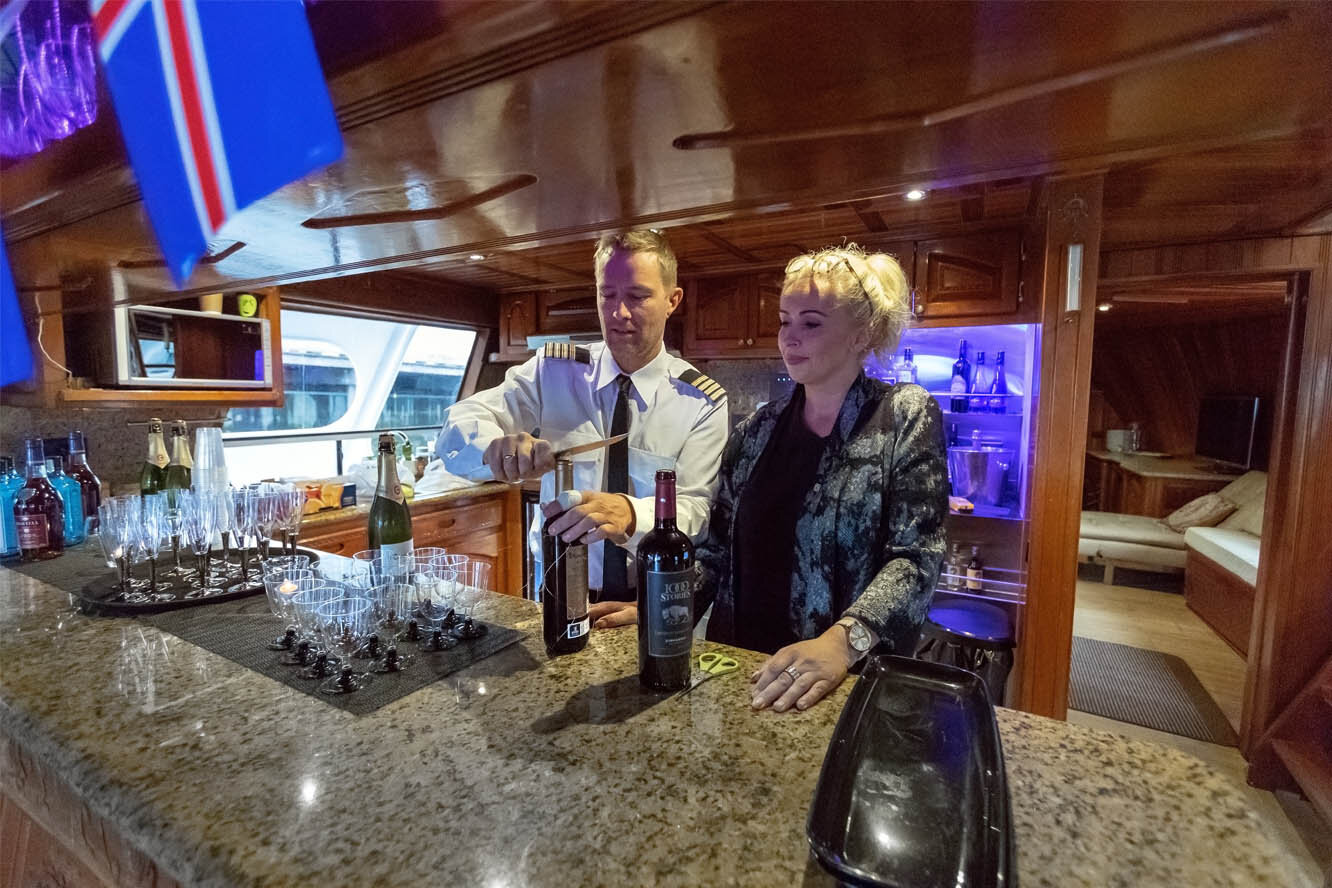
(510, 456)
(793, 672)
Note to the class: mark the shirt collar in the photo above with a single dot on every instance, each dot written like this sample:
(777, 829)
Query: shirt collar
(643, 380)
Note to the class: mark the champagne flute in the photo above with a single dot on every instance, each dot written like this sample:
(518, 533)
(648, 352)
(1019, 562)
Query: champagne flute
(344, 624)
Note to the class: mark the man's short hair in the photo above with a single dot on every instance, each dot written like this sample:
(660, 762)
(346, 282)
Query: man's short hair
(639, 240)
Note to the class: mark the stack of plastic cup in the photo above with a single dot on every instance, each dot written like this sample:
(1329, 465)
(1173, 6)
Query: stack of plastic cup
(210, 464)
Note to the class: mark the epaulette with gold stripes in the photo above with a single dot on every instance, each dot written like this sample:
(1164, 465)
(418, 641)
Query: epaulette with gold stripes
(709, 387)
(567, 351)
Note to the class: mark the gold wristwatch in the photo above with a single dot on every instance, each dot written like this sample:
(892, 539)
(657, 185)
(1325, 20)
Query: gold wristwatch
(857, 636)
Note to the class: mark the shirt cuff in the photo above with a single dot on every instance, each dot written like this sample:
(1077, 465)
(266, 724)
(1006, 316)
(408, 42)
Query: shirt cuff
(645, 516)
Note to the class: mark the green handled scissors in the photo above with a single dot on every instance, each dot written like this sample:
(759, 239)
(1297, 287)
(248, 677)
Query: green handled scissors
(711, 665)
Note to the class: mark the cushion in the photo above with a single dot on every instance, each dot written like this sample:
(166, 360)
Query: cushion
(1249, 492)
(1129, 529)
(1234, 550)
(1207, 510)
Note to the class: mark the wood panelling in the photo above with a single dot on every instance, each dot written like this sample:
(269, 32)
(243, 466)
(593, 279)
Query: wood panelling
(1070, 213)
(1223, 600)
(1158, 375)
(399, 295)
(1292, 607)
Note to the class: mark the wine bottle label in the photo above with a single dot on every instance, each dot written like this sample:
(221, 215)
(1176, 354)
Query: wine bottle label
(32, 531)
(670, 616)
(579, 628)
(973, 578)
(403, 548)
(959, 386)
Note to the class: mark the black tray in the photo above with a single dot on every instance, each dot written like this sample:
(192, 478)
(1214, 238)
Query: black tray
(95, 597)
(912, 790)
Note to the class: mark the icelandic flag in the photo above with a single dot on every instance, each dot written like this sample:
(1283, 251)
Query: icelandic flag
(220, 103)
(15, 354)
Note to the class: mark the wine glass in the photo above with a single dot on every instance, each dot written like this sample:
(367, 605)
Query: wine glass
(281, 586)
(294, 511)
(119, 516)
(304, 605)
(343, 625)
(433, 592)
(224, 519)
(152, 531)
(175, 518)
(391, 604)
(474, 583)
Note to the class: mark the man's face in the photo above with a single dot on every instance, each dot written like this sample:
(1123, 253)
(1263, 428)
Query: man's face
(633, 305)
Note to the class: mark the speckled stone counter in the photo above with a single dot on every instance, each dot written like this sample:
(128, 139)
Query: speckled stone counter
(526, 771)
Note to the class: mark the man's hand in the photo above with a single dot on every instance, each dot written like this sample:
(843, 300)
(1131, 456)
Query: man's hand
(613, 614)
(591, 516)
(519, 457)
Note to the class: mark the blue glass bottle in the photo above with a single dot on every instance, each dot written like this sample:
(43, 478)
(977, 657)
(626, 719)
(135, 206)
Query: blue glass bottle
(72, 493)
(10, 482)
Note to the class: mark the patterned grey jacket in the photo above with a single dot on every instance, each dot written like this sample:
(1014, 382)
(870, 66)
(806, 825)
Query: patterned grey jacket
(871, 540)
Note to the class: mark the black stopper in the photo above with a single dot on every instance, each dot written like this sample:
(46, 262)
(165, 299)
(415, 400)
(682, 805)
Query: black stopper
(391, 659)
(345, 680)
(413, 631)
(303, 653)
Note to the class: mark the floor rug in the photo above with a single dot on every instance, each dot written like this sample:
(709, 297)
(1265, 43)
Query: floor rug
(1147, 688)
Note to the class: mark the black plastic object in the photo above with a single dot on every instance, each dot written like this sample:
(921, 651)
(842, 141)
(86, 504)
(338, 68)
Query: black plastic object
(913, 791)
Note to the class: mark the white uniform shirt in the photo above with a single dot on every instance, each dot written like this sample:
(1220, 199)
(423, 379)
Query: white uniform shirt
(567, 402)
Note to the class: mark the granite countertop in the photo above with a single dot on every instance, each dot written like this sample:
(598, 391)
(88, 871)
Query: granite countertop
(1188, 468)
(362, 510)
(526, 771)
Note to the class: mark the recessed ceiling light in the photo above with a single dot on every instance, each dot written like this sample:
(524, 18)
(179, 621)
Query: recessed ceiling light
(915, 194)
(476, 257)
(1104, 306)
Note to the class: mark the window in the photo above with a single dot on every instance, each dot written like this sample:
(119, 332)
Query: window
(346, 374)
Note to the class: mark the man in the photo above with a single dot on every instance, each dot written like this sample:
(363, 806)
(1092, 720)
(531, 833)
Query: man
(675, 418)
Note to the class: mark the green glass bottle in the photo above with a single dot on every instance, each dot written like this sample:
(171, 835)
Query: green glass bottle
(152, 477)
(390, 519)
(178, 470)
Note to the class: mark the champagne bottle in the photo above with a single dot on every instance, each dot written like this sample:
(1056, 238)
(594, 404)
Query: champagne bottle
(10, 484)
(71, 497)
(177, 475)
(564, 592)
(39, 514)
(961, 380)
(665, 597)
(152, 477)
(980, 386)
(390, 519)
(999, 387)
(80, 471)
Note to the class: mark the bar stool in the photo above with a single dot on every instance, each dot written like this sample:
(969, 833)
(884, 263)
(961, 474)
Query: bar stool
(974, 635)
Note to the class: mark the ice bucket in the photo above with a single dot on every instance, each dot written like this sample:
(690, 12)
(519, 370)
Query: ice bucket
(979, 473)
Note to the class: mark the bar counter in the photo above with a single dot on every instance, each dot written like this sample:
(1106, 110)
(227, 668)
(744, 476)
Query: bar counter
(156, 760)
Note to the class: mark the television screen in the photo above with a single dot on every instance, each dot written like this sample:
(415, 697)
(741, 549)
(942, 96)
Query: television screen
(1228, 429)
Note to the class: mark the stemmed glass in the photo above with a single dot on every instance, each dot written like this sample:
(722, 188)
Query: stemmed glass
(152, 530)
(224, 518)
(282, 585)
(433, 589)
(474, 582)
(175, 518)
(343, 625)
(293, 510)
(119, 518)
(309, 651)
(391, 605)
(247, 524)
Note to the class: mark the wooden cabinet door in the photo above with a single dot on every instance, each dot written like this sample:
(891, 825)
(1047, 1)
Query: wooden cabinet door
(566, 311)
(970, 276)
(766, 299)
(717, 317)
(517, 320)
(346, 541)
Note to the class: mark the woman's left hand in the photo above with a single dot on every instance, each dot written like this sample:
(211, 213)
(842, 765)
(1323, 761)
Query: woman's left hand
(803, 673)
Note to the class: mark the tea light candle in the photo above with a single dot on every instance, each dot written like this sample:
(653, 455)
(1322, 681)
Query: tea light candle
(287, 587)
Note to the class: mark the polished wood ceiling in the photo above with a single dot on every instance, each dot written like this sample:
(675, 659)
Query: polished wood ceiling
(749, 131)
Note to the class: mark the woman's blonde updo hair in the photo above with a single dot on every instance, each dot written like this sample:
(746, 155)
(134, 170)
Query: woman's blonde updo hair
(872, 284)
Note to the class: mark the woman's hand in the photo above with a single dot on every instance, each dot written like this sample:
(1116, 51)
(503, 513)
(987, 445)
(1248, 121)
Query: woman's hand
(803, 673)
(612, 614)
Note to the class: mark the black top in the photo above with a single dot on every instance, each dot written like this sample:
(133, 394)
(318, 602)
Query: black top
(765, 531)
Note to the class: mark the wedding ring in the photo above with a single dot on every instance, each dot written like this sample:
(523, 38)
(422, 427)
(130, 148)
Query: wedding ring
(793, 672)
(510, 456)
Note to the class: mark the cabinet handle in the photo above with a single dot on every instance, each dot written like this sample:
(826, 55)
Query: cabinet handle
(749, 342)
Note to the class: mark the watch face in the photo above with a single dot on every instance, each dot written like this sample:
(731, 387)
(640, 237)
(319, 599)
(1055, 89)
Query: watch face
(858, 637)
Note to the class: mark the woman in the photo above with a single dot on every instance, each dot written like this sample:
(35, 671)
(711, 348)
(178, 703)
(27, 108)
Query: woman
(827, 530)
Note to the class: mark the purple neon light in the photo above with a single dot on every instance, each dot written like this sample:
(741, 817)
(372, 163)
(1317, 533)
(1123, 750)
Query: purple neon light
(48, 76)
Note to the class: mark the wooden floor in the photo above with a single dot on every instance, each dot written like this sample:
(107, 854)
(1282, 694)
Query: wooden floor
(1160, 621)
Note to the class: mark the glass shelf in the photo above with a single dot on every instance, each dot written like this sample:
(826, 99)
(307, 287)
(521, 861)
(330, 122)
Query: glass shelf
(997, 584)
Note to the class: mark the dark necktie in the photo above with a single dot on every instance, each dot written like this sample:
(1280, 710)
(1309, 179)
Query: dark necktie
(614, 564)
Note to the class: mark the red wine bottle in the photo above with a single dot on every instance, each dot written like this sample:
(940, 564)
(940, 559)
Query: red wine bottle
(39, 513)
(564, 592)
(80, 471)
(665, 597)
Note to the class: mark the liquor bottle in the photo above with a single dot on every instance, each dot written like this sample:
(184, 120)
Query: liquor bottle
(905, 368)
(390, 519)
(10, 482)
(665, 597)
(980, 386)
(39, 515)
(952, 434)
(961, 380)
(71, 497)
(177, 475)
(975, 570)
(80, 471)
(564, 592)
(152, 477)
(999, 387)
